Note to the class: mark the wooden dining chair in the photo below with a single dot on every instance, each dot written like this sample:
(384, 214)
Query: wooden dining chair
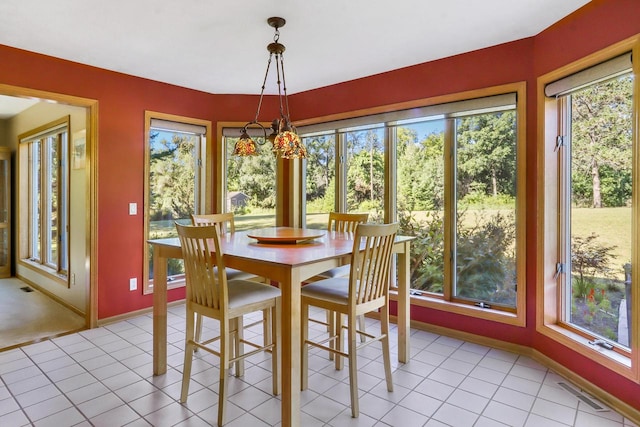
(211, 294)
(365, 290)
(342, 222)
(225, 222)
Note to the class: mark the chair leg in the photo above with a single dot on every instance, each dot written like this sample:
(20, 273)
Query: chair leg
(331, 329)
(275, 352)
(188, 358)
(353, 368)
(361, 327)
(198, 329)
(384, 328)
(304, 349)
(225, 348)
(329, 318)
(238, 345)
(266, 327)
(339, 340)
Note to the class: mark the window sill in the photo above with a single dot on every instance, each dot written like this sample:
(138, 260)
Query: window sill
(46, 271)
(610, 359)
(172, 283)
(515, 319)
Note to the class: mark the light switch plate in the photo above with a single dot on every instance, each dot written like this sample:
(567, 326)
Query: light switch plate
(133, 208)
(133, 284)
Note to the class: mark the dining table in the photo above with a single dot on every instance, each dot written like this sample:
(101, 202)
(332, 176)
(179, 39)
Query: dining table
(289, 262)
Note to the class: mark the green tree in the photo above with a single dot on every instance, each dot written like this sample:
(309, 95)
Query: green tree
(172, 176)
(486, 154)
(320, 171)
(365, 175)
(420, 170)
(601, 141)
(254, 176)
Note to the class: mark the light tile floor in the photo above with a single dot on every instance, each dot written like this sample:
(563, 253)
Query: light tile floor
(103, 377)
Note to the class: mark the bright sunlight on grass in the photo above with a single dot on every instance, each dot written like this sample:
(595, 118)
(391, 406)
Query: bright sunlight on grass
(612, 226)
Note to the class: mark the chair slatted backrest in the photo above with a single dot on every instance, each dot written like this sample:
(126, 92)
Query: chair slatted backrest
(370, 278)
(224, 221)
(346, 222)
(206, 285)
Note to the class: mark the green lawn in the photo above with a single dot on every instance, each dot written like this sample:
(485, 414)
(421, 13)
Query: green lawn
(166, 228)
(613, 228)
(612, 225)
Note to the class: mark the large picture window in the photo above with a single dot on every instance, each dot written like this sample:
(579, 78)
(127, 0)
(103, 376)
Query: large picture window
(450, 173)
(320, 178)
(47, 183)
(589, 241)
(595, 230)
(485, 208)
(175, 184)
(248, 183)
(365, 170)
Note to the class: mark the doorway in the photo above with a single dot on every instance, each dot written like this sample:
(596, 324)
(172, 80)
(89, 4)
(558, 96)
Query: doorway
(77, 296)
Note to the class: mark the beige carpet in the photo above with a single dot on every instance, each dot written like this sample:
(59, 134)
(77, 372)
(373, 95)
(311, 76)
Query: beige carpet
(26, 317)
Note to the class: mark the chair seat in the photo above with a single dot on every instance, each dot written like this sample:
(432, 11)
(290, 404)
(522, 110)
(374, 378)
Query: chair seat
(342, 271)
(233, 274)
(334, 290)
(244, 292)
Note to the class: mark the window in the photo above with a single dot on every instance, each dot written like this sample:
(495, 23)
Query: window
(484, 242)
(249, 183)
(589, 237)
(175, 170)
(451, 173)
(47, 181)
(320, 178)
(421, 198)
(365, 170)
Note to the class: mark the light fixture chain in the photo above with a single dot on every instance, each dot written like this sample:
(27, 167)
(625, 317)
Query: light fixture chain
(287, 144)
(264, 84)
(284, 89)
(278, 66)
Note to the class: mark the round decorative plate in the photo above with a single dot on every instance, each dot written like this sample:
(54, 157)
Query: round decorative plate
(284, 235)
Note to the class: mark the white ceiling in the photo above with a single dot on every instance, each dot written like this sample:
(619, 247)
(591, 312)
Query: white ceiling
(220, 46)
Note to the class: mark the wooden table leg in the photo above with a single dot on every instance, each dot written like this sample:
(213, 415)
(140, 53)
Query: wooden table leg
(403, 303)
(159, 312)
(290, 345)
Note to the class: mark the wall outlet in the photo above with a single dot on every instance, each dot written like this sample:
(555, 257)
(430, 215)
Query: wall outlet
(133, 284)
(133, 208)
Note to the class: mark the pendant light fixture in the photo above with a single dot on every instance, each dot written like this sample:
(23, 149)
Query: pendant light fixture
(284, 139)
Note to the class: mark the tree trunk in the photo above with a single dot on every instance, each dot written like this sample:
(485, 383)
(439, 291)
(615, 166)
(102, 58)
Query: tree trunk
(371, 170)
(597, 196)
(494, 182)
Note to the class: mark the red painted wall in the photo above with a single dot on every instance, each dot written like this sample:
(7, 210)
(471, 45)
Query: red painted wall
(123, 99)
